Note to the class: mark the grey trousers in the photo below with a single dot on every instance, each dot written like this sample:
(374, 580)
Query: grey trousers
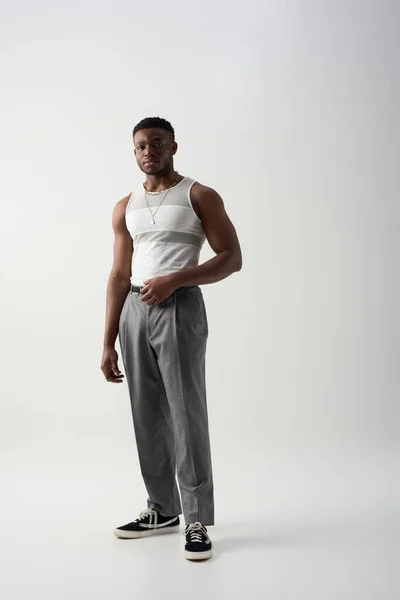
(163, 350)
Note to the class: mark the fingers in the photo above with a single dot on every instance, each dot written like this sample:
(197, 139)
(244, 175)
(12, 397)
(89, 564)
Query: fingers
(114, 367)
(112, 373)
(114, 378)
(150, 299)
(145, 294)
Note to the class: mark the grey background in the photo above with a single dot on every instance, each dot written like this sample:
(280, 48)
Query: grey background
(290, 111)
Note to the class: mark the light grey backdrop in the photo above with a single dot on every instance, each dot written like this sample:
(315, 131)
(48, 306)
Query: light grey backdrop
(290, 111)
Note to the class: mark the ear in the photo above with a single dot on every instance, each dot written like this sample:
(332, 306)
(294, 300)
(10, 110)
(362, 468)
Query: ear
(174, 147)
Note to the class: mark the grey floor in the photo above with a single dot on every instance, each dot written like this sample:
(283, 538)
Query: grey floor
(285, 533)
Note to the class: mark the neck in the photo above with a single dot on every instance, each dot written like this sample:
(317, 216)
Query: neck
(160, 181)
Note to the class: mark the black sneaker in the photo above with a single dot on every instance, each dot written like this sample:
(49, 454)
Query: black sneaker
(198, 545)
(149, 522)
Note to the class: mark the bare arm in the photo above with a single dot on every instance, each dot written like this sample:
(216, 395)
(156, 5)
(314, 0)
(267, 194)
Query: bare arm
(221, 236)
(119, 280)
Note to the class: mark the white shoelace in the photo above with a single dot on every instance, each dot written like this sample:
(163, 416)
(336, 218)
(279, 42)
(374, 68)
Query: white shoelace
(195, 530)
(149, 513)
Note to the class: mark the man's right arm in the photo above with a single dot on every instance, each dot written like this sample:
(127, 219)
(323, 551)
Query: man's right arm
(119, 280)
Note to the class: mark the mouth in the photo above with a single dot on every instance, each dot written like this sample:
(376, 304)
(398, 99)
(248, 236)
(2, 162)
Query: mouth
(150, 162)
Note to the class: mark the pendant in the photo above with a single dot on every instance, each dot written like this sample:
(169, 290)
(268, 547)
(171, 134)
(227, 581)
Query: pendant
(153, 222)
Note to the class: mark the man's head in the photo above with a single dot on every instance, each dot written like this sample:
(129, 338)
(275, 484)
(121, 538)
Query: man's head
(154, 140)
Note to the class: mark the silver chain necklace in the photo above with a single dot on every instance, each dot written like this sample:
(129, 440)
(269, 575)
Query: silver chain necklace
(165, 195)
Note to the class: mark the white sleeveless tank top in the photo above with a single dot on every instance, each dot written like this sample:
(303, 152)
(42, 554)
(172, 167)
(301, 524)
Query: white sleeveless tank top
(176, 238)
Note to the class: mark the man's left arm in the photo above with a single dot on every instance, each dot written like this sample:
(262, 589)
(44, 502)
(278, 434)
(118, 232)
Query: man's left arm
(221, 236)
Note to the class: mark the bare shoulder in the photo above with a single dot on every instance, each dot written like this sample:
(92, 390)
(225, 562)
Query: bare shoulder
(123, 203)
(205, 200)
(203, 192)
(218, 227)
(118, 217)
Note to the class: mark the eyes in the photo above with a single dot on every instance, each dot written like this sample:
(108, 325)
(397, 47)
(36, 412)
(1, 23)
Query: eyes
(141, 147)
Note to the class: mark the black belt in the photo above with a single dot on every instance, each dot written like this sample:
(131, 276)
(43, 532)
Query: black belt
(136, 288)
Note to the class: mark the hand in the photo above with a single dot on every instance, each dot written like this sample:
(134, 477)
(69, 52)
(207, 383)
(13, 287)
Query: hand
(109, 366)
(157, 289)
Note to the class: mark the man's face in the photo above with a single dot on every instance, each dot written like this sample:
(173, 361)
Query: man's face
(154, 150)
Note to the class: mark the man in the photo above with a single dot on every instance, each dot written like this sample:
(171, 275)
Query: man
(155, 304)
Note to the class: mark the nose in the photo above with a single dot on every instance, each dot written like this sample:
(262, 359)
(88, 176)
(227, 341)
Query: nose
(148, 152)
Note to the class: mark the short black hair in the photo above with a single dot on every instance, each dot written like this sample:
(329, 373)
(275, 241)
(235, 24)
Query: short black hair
(154, 122)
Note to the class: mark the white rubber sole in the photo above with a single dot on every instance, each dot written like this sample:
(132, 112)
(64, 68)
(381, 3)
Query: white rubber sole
(130, 535)
(198, 555)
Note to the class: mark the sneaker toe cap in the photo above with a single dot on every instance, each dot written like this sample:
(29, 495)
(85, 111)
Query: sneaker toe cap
(197, 547)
